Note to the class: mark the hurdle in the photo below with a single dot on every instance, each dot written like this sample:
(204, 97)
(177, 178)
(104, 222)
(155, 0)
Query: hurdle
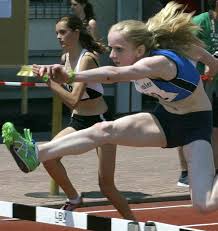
(80, 220)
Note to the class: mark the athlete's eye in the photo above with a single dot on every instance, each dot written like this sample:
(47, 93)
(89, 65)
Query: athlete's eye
(118, 49)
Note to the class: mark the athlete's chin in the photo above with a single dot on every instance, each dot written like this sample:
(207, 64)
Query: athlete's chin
(63, 46)
(65, 49)
(117, 64)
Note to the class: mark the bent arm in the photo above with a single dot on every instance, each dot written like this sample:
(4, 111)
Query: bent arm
(93, 29)
(199, 54)
(70, 99)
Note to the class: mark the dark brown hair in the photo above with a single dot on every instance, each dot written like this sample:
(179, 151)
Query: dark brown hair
(88, 9)
(75, 23)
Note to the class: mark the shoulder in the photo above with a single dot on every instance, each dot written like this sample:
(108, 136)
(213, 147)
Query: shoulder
(90, 56)
(155, 67)
(201, 17)
(165, 53)
(92, 23)
(89, 60)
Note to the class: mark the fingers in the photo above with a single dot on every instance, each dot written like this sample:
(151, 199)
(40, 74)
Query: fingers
(39, 70)
(54, 72)
(35, 69)
(49, 71)
(59, 74)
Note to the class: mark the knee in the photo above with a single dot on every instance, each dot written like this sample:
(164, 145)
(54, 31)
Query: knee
(202, 206)
(50, 164)
(106, 186)
(103, 129)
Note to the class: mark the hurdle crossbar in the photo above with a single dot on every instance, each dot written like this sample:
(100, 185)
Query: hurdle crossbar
(22, 84)
(80, 220)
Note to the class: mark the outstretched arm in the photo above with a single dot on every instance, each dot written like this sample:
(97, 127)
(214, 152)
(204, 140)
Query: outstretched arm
(152, 67)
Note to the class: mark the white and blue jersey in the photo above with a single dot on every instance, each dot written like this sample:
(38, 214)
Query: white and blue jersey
(182, 86)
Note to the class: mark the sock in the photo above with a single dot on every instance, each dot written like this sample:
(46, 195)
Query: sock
(75, 200)
(36, 151)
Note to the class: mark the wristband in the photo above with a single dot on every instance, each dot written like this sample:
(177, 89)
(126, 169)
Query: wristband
(45, 78)
(71, 76)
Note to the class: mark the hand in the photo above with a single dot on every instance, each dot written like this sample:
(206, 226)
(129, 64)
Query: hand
(58, 74)
(39, 70)
(44, 72)
(212, 69)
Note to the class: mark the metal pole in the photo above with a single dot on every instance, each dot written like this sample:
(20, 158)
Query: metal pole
(24, 98)
(202, 6)
(24, 90)
(56, 127)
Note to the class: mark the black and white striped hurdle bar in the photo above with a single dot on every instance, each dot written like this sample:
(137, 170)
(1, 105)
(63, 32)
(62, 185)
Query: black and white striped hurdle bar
(80, 220)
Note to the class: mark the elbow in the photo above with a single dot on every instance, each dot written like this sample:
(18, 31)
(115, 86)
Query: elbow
(71, 104)
(113, 75)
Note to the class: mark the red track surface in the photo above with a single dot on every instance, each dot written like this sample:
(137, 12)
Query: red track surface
(167, 212)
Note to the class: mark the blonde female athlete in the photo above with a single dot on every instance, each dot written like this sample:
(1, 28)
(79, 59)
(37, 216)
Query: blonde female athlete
(156, 57)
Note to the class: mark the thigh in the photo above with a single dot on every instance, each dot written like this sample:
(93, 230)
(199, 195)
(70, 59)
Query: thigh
(139, 130)
(64, 132)
(201, 172)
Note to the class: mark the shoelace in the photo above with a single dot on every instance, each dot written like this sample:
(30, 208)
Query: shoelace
(27, 136)
(5, 135)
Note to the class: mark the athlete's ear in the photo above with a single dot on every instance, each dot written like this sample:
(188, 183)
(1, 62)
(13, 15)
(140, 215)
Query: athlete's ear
(77, 32)
(140, 51)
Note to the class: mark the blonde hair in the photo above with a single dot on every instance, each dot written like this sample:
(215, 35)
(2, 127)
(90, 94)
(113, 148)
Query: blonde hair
(171, 28)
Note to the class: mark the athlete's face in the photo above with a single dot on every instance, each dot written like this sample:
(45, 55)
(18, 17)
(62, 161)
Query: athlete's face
(123, 53)
(66, 36)
(216, 9)
(77, 7)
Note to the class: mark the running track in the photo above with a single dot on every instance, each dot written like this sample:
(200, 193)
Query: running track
(174, 212)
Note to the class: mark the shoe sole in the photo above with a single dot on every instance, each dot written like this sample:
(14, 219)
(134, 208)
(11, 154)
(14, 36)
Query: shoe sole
(18, 160)
(182, 185)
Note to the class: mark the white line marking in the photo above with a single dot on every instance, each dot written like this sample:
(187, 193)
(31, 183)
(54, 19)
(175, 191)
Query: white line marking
(9, 219)
(141, 209)
(195, 225)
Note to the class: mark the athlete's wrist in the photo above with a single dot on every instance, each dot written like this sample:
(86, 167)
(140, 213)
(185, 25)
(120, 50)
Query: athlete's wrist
(71, 76)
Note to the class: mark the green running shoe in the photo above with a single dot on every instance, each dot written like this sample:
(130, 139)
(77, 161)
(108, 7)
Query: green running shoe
(22, 148)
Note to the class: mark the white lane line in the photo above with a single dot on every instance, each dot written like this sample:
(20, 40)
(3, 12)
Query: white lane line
(195, 225)
(9, 219)
(141, 209)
